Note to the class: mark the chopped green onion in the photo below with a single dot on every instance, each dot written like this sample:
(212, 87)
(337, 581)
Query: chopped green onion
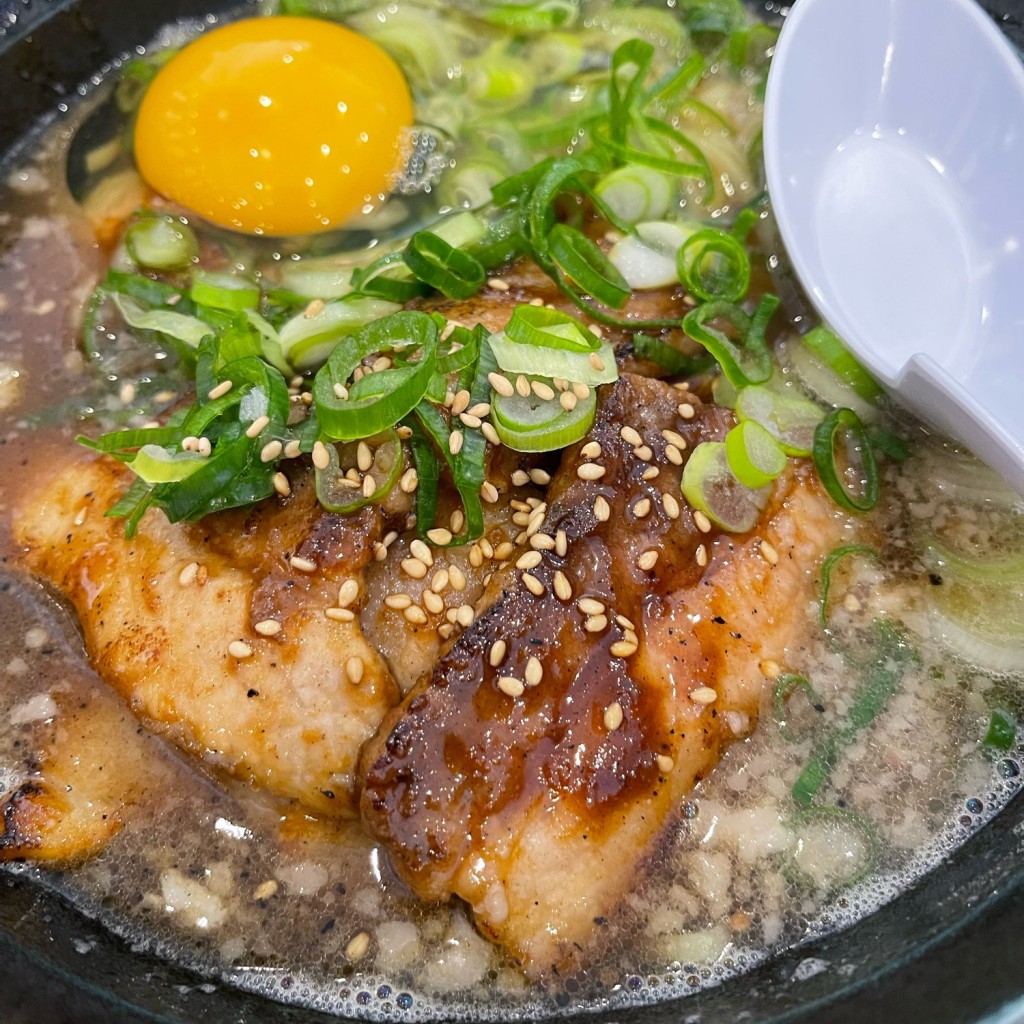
(881, 676)
(1002, 730)
(831, 351)
(978, 570)
(582, 261)
(755, 456)
(635, 193)
(223, 290)
(499, 82)
(540, 16)
(827, 567)
(337, 493)
(789, 418)
(448, 270)
(647, 258)
(669, 358)
(304, 282)
(709, 485)
(189, 330)
(714, 265)
(307, 341)
(379, 400)
(157, 465)
(834, 848)
(749, 362)
(161, 243)
(864, 495)
(533, 424)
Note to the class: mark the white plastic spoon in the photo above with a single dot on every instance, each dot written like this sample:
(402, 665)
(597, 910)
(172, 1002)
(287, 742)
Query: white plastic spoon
(894, 152)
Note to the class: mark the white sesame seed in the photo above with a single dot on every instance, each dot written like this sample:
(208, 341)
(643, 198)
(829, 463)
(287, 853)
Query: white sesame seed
(409, 481)
(268, 627)
(315, 308)
(271, 450)
(650, 473)
(265, 890)
(414, 567)
(347, 593)
(665, 764)
(340, 614)
(534, 672)
(685, 410)
(292, 450)
(523, 386)
(581, 391)
(465, 615)
(542, 542)
(701, 555)
(469, 420)
(501, 384)
(480, 409)
(486, 547)
(256, 427)
(239, 650)
(769, 554)
(369, 486)
(399, 602)
(673, 454)
(642, 508)
(455, 442)
(340, 392)
(498, 284)
(643, 453)
(220, 390)
(670, 505)
(596, 623)
(496, 655)
(381, 363)
(631, 436)
(440, 536)
(354, 669)
(205, 448)
(701, 521)
(543, 391)
(647, 560)
(321, 457)
(188, 574)
(562, 587)
(490, 433)
(596, 330)
(510, 686)
(561, 543)
(529, 560)
(457, 578)
(415, 615)
(520, 477)
(602, 510)
(596, 362)
(532, 584)
(622, 649)
(460, 403)
(506, 549)
(591, 450)
(301, 564)
(439, 581)
(541, 477)
(624, 622)
(420, 550)
(364, 457)
(590, 606)
(613, 716)
(281, 485)
(476, 556)
(358, 946)
(674, 437)
(590, 471)
(434, 603)
(703, 695)
(770, 669)
(567, 400)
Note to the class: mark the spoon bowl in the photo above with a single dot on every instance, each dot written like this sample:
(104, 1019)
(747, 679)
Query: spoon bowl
(894, 154)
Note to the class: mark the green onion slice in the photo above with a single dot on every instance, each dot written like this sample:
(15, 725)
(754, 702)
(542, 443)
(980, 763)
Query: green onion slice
(750, 361)
(223, 290)
(161, 243)
(834, 848)
(189, 330)
(712, 264)
(669, 358)
(846, 424)
(635, 193)
(785, 686)
(831, 350)
(789, 418)
(158, 465)
(338, 493)
(380, 400)
(532, 424)
(307, 341)
(828, 566)
(755, 456)
(582, 261)
(709, 485)
(1002, 730)
(445, 268)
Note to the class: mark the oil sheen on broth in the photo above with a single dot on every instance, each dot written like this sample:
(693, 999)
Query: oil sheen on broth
(213, 876)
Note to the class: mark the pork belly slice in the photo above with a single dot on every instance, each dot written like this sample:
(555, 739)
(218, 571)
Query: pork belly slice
(539, 802)
(160, 613)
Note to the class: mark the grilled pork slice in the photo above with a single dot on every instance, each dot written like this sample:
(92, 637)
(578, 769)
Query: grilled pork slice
(533, 770)
(218, 632)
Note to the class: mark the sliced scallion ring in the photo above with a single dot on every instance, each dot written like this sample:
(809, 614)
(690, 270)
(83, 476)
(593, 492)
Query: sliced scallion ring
(582, 261)
(830, 350)
(791, 419)
(161, 243)
(159, 465)
(307, 341)
(844, 424)
(338, 492)
(714, 265)
(834, 847)
(189, 330)
(443, 266)
(755, 456)
(710, 486)
(533, 424)
(636, 193)
(223, 290)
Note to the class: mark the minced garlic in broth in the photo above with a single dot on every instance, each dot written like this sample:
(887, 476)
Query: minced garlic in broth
(213, 876)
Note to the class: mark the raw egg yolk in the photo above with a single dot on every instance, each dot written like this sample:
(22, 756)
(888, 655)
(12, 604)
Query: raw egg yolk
(275, 125)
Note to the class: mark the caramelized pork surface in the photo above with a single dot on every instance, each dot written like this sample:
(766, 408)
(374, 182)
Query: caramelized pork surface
(533, 770)
(218, 632)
